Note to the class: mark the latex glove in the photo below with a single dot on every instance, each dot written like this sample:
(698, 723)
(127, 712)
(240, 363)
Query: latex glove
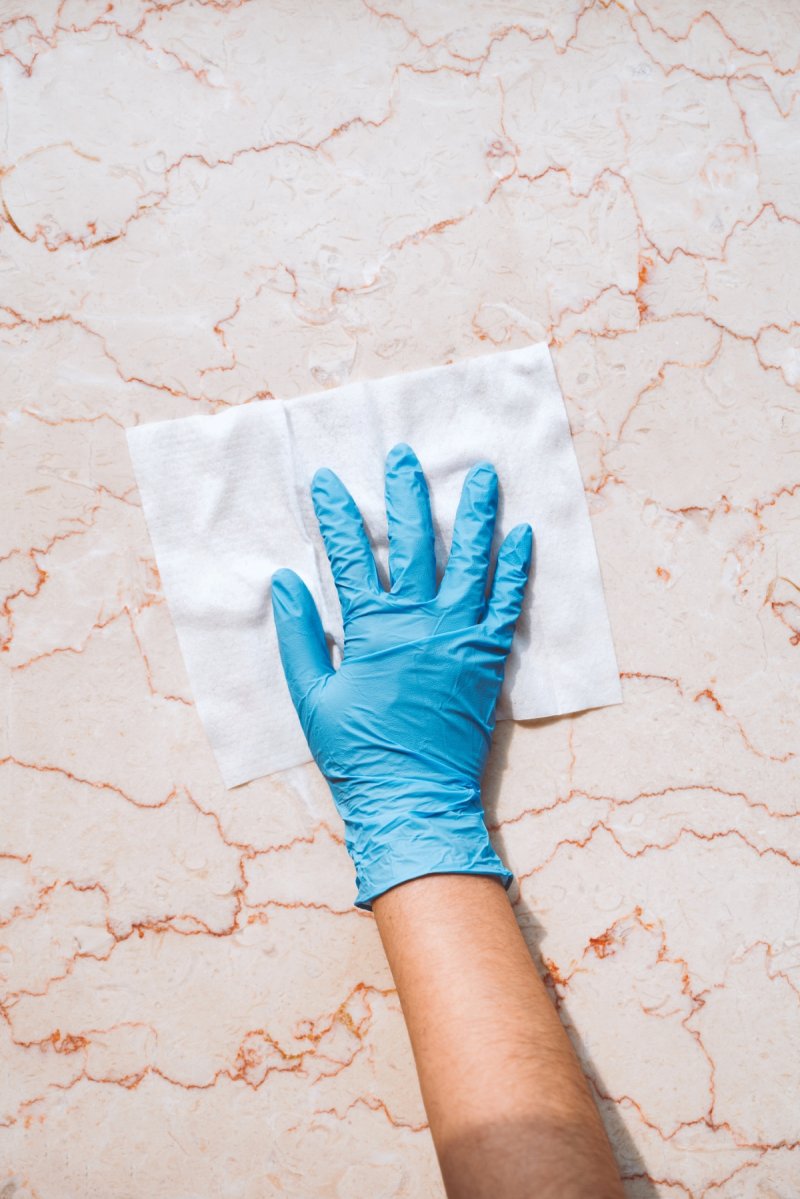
(402, 729)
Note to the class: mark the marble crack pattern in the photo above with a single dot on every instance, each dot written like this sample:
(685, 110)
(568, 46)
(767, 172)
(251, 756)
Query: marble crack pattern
(204, 204)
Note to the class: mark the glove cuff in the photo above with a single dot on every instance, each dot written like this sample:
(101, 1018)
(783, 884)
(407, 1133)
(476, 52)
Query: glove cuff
(418, 835)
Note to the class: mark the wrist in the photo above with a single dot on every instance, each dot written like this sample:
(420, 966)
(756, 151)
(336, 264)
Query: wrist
(398, 832)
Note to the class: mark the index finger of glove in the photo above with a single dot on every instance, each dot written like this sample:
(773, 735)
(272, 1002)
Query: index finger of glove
(349, 552)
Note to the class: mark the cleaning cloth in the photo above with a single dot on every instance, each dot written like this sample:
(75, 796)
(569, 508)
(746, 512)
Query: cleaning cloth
(226, 500)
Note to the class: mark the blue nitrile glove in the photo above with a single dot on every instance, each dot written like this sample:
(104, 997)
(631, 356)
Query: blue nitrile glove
(402, 729)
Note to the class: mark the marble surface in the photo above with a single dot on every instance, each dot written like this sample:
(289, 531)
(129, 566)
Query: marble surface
(207, 203)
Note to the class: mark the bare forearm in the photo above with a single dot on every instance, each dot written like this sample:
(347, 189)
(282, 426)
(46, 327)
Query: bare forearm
(508, 1106)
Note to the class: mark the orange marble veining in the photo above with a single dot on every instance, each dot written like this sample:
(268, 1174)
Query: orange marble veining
(203, 205)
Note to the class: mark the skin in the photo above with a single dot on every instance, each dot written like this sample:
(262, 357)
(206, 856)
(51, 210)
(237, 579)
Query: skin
(509, 1108)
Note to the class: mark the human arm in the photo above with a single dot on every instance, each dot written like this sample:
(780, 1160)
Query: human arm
(401, 732)
(508, 1106)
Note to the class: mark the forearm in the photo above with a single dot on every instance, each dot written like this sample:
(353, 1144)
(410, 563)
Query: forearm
(509, 1109)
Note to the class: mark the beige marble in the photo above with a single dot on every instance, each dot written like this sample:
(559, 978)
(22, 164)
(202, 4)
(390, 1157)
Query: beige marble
(207, 203)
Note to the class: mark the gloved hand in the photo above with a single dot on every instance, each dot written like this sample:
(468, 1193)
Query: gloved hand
(402, 729)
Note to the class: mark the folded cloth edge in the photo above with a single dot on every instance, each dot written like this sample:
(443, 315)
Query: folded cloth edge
(536, 354)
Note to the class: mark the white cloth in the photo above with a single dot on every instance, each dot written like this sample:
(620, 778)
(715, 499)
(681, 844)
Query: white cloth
(226, 500)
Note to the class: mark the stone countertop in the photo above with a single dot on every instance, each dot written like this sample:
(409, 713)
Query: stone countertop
(204, 204)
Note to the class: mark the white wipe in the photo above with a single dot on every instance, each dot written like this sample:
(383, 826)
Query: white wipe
(226, 500)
